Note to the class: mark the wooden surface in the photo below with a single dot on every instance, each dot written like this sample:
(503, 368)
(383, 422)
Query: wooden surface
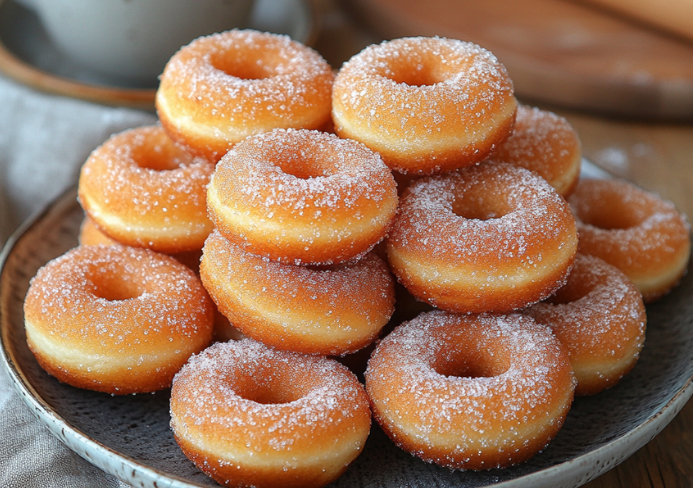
(674, 16)
(657, 156)
(557, 51)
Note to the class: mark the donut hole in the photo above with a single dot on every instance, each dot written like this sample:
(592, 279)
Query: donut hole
(305, 167)
(472, 361)
(612, 212)
(161, 156)
(479, 208)
(427, 71)
(611, 221)
(242, 67)
(114, 287)
(581, 282)
(269, 389)
(570, 294)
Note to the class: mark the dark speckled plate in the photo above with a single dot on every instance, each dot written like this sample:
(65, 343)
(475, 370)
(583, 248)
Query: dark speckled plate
(130, 437)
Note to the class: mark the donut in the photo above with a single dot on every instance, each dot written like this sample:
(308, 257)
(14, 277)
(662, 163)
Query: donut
(545, 143)
(489, 238)
(249, 415)
(116, 319)
(426, 105)
(144, 191)
(599, 318)
(470, 391)
(90, 235)
(634, 230)
(220, 89)
(302, 197)
(330, 311)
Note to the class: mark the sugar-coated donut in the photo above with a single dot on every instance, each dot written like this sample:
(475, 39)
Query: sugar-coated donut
(222, 88)
(249, 415)
(116, 319)
(427, 105)
(489, 238)
(599, 317)
(545, 143)
(634, 230)
(331, 311)
(470, 391)
(91, 235)
(302, 197)
(144, 191)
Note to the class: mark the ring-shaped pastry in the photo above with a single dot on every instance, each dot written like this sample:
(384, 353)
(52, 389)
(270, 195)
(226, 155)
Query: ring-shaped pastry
(116, 319)
(634, 230)
(249, 415)
(426, 105)
(144, 191)
(490, 238)
(222, 88)
(91, 235)
(302, 197)
(470, 391)
(331, 311)
(545, 143)
(600, 319)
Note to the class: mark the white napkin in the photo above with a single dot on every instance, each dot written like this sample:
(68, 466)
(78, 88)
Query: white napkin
(44, 139)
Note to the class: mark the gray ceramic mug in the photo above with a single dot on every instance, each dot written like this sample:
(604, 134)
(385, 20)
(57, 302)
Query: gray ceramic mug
(130, 41)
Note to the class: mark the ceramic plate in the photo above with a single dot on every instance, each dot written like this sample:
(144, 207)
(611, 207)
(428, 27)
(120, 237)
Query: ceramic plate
(27, 54)
(130, 438)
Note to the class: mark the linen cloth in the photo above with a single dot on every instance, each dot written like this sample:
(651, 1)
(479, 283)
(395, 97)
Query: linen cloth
(44, 140)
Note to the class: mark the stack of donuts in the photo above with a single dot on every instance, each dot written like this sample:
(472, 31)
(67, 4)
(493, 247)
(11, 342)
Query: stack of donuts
(284, 198)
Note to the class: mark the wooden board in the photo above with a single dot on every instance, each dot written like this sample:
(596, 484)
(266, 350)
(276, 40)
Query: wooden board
(558, 52)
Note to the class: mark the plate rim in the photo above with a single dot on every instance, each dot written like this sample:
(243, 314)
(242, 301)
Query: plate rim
(75, 439)
(39, 407)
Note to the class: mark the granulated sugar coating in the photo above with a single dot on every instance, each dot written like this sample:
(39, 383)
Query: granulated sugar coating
(599, 317)
(330, 311)
(427, 105)
(470, 391)
(144, 191)
(303, 197)
(545, 143)
(492, 237)
(634, 230)
(116, 319)
(220, 89)
(249, 415)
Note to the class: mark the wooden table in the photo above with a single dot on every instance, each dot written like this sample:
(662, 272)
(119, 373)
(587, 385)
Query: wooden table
(657, 156)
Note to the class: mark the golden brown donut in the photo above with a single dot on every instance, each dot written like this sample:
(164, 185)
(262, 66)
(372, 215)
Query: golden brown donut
(302, 197)
(144, 191)
(470, 391)
(545, 143)
(222, 88)
(249, 415)
(116, 319)
(600, 319)
(634, 230)
(330, 311)
(489, 238)
(426, 105)
(91, 235)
